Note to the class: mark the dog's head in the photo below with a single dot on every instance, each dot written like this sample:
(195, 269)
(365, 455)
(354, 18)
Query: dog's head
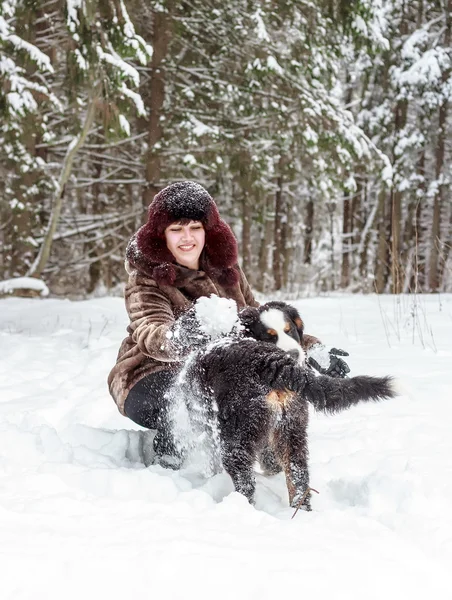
(276, 323)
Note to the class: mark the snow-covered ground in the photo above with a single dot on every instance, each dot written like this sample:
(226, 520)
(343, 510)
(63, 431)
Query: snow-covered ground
(81, 516)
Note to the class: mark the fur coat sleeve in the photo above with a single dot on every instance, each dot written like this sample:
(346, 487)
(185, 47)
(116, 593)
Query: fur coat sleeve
(151, 316)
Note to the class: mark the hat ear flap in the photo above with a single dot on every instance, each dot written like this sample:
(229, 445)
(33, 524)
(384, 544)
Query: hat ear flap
(221, 246)
(164, 273)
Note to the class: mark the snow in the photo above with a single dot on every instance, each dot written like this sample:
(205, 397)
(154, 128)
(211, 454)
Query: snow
(118, 63)
(260, 30)
(81, 516)
(217, 316)
(320, 354)
(199, 129)
(41, 59)
(136, 99)
(8, 286)
(273, 65)
(124, 124)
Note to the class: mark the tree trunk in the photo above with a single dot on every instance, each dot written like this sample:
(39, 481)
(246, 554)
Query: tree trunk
(265, 245)
(308, 232)
(446, 253)
(246, 236)
(160, 39)
(287, 244)
(41, 260)
(436, 257)
(397, 276)
(95, 267)
(331, 206)
(435, 238)
(346, 243)
(396, 266)
(346, 213)
(381, 268)
(365, 236)
(356, 220)
(277, 237)
(417, 280)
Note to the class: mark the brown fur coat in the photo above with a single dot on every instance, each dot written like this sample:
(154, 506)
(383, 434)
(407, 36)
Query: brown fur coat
(152, 308)
(159, 290)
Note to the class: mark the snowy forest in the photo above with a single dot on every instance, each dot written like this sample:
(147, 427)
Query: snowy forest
(322, 128)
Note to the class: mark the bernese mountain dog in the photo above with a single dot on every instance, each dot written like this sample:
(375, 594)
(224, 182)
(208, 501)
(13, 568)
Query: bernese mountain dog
(260, 386)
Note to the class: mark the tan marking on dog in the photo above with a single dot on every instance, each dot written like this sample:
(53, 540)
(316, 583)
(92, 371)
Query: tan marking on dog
(299, 323)
(272, 331)
(291, 489)
(287, 327)
(280, 398)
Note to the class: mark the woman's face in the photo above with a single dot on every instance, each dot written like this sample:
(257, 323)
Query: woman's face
(185, 242)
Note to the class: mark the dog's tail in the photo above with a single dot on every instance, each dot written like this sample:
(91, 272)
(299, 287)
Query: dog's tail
(332, 395)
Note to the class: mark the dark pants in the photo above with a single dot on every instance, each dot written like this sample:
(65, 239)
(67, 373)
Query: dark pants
(147, 405)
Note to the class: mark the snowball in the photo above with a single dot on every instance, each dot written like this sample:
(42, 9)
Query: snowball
(216, 316)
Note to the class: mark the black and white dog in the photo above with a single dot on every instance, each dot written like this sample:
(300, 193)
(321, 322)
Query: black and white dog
(260, 386)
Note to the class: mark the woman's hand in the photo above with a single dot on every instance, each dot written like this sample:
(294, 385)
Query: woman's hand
(327, 362)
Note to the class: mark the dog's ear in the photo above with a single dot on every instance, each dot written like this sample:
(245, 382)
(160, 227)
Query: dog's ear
(276, 304)
(249, 318)
(295, 317)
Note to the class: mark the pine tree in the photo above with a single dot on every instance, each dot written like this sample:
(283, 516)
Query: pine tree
(88, 81)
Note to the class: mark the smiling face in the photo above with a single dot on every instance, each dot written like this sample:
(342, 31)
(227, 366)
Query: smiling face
(186, 241)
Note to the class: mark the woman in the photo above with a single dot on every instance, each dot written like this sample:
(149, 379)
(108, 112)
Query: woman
(183, 252)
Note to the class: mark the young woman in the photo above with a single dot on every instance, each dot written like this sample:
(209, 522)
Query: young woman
(183, 252)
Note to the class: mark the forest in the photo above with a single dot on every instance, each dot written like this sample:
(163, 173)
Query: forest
(322, 128)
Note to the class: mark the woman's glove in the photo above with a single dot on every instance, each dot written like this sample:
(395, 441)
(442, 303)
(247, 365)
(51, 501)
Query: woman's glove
(185, 334)
(327, 362)
(208, 319)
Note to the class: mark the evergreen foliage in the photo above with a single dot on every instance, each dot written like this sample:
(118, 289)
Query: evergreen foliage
(322, 129)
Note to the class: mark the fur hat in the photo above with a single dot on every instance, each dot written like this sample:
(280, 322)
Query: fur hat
(147, 249)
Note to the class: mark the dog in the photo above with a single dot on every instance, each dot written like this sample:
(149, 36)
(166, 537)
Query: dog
(258, 386)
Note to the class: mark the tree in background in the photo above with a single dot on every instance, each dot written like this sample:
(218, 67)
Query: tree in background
(321, 129)
(84, 62)
(404, 96)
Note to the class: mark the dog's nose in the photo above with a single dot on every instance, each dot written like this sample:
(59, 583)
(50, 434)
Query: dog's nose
(294, 353)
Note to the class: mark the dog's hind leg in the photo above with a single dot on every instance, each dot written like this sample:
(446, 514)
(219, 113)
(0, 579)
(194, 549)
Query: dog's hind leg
(291, 449)
(238, 462)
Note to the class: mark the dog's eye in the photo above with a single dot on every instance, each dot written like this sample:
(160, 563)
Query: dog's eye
(287, 327)
(272, 332)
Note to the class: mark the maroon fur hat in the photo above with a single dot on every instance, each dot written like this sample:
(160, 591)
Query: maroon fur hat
(147, 249)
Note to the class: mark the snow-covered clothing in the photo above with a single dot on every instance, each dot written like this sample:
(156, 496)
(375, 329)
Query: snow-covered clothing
(159, 290)
(153, 308)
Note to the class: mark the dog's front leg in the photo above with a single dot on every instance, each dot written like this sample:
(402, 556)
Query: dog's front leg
(238, 462)
(268, 461)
